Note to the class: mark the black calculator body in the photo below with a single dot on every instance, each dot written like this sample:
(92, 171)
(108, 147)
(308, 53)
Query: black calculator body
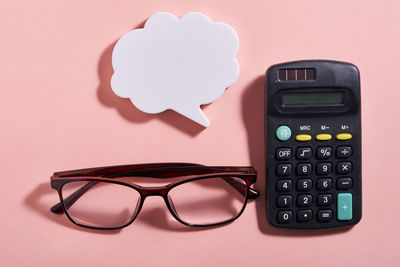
(313, 144)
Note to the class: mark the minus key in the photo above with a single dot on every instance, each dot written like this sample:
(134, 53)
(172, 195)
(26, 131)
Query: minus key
(344, 183)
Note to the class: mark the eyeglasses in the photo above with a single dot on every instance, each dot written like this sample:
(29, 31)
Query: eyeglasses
(105, 197)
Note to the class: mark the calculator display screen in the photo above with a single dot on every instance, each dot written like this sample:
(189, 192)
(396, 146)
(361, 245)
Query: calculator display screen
(315, 98)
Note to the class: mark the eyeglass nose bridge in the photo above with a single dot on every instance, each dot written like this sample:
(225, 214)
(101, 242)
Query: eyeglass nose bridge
(154, 191)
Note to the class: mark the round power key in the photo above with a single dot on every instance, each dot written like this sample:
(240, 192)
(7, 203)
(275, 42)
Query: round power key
(283, 133)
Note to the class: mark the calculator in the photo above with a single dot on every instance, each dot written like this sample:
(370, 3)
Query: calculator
(313, 144)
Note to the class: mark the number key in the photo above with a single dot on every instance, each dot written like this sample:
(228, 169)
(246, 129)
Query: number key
(284, 201)
(285, 216)
(324, 200)
(284, 185)
(304, 184)
(304, 200)
(284, 169)
(324, 168)
(324, 184)
(304, 169)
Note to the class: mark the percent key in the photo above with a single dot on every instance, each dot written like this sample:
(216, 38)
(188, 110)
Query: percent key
(324, 152)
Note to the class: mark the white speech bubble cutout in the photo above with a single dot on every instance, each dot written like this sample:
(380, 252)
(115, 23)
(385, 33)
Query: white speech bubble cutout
(176, 63)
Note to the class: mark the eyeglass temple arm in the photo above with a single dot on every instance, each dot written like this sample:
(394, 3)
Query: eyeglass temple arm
(71, 199)
(241, 188)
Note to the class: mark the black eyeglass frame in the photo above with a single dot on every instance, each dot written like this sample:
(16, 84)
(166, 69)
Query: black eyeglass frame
(154, 170)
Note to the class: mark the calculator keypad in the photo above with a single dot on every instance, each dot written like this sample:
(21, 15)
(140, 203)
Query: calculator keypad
(310, 180)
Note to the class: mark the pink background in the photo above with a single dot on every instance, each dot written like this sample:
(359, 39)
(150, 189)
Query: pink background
(58, 113)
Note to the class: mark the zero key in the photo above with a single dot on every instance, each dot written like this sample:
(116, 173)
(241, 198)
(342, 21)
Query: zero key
(285, 216)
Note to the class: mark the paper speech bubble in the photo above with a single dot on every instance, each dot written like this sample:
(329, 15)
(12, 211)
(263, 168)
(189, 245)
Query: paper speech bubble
(176, 63)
